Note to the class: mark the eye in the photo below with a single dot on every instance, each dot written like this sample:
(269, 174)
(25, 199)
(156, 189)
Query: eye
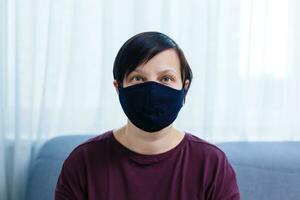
(167, 79)
(136, 78)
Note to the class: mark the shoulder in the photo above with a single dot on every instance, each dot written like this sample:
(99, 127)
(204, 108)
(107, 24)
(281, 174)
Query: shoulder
(72, 180)
(205, 149)
(91, 146)
(221, 178)
(201, 144)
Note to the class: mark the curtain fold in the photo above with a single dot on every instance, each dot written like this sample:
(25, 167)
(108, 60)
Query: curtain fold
(56, 60)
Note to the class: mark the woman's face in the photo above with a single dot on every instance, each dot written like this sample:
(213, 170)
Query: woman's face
(163, 68)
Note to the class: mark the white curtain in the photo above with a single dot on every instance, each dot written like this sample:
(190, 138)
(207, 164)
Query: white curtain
(56, 60)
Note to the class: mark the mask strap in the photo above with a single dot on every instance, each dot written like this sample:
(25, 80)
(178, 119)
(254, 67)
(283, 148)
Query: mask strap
(120, 85)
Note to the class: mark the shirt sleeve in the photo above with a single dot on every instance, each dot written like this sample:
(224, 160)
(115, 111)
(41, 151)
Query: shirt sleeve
(224, 185)
(71, 182)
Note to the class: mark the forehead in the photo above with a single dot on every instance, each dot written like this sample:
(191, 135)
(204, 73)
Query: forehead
(164, 61)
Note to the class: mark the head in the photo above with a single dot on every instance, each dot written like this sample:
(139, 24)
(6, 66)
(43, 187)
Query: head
(152, 56)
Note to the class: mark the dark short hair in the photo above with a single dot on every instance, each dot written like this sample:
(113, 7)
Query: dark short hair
(140, 48)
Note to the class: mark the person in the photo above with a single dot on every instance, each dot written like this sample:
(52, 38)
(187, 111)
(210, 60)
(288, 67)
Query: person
(148, 158)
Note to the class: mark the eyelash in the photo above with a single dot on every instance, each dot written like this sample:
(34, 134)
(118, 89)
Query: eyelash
(171, 78)
(134, 77)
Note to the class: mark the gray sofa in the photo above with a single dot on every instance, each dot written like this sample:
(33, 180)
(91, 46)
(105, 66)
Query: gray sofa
(265, 170)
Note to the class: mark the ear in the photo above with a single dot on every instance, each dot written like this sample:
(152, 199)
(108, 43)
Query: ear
(115, 83)
(186, 84)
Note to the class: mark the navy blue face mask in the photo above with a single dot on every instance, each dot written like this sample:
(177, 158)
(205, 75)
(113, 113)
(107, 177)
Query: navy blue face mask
(151, 106)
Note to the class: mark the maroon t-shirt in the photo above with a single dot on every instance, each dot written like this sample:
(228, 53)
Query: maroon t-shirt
(103, 169)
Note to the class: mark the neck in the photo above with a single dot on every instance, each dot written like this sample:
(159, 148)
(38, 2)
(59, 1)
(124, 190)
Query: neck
(148, 143)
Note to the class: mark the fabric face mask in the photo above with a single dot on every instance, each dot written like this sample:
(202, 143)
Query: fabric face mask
(151, 106)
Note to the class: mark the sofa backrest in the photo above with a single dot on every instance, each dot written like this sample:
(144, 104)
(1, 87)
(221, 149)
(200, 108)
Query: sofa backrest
(266, 170)
(45, 168)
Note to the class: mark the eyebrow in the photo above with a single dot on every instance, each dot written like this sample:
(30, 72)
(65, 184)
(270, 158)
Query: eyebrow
(161, 72)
